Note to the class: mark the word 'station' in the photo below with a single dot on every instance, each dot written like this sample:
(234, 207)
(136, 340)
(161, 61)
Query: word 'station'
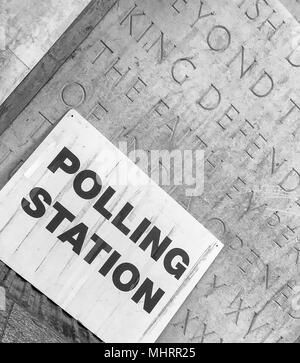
(112, 253)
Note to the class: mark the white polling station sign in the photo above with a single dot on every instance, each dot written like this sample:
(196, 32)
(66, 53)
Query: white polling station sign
(118, 254)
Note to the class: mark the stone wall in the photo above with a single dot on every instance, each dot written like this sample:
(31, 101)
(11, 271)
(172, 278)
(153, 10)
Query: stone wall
(293, 6)
(30, 114)
(27, 31)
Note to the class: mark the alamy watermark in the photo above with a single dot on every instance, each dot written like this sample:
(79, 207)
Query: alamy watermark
(183, 168)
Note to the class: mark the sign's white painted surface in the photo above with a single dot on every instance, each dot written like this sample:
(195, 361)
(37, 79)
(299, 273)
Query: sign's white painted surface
(120, 256)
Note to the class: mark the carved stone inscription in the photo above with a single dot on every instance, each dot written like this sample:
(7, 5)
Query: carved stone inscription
(222, 76)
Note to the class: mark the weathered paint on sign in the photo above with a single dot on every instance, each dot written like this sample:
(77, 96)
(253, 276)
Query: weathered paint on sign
(118, 254)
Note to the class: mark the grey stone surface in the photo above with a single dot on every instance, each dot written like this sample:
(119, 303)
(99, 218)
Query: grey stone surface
(246, 295)
(23, 328)
(29, 28)
(293, 6)
(52, 61)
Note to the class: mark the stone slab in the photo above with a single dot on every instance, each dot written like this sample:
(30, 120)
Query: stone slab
(21, 327)
(51, 61)
(293, 6)
(251, 199)
(12, 70)
(31, 28)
